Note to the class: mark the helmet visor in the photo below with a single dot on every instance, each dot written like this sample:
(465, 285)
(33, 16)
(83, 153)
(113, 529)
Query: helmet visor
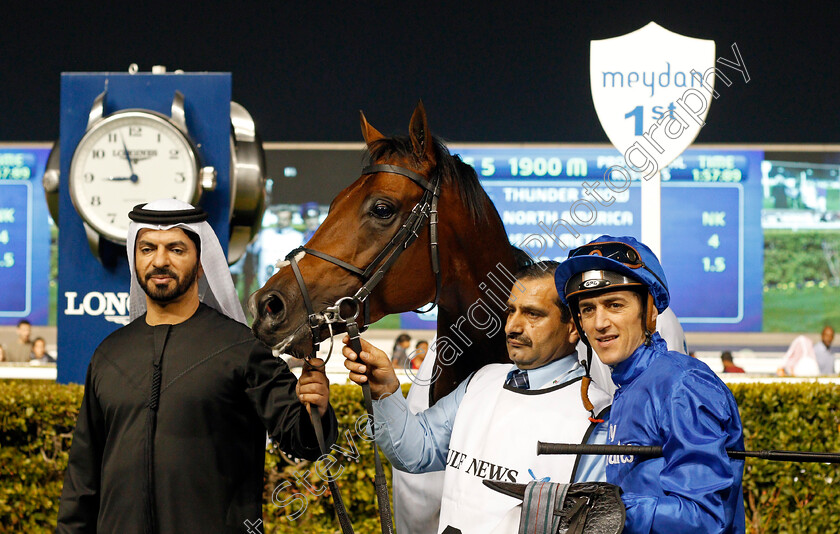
(597, 281)
(614, 250)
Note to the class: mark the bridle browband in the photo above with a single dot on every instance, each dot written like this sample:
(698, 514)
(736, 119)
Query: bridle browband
(346, 310)
(425, 209)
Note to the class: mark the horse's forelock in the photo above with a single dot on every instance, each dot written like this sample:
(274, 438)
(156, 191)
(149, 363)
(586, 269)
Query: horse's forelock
(452, 171)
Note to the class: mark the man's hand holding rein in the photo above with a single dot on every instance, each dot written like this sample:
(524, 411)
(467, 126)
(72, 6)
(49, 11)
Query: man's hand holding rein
(313, 386)
(372, 366)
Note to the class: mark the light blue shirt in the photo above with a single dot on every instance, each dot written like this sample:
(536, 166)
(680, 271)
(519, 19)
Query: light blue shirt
(825, 359)
(419, 443)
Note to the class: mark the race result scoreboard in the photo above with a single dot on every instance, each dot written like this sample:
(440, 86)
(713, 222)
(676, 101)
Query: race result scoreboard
(554, 199)
(24, 236)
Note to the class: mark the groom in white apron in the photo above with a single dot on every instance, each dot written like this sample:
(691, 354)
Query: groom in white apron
(489, 426)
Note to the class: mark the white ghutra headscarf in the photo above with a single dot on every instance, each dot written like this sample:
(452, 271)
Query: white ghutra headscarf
(215, 288)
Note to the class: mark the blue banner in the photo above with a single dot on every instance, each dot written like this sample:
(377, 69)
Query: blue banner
(24, 236)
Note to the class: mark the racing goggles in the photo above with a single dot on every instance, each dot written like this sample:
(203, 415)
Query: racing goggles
(618, 251)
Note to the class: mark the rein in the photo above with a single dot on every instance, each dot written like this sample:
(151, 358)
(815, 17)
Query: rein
(346, 310)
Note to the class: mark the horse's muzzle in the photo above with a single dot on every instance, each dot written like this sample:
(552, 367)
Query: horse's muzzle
(269, 309)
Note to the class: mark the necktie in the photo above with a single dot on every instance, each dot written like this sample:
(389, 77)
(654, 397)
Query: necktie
(518, 378)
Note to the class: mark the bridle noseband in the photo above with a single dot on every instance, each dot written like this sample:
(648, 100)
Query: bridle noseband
(425, 209)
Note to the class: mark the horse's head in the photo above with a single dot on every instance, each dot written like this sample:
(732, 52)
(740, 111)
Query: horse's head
(363, 219)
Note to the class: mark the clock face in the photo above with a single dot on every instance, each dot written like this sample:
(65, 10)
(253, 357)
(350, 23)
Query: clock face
(130, 158)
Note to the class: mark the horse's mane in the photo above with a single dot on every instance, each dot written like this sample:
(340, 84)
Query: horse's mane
(451, 170)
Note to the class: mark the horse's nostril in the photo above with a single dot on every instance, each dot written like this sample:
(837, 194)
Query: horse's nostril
(273, 305)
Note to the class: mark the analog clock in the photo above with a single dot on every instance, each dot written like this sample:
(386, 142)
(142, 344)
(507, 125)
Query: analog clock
(131, 157)
(127, 159)
(136, 155)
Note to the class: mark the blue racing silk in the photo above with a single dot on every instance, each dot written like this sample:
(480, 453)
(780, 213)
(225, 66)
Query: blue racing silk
(674, 401)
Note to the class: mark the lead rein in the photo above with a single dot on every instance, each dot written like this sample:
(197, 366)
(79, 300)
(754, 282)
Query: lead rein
(379, 482)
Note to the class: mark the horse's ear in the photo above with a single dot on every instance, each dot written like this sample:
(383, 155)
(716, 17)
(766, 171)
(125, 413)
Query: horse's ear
(370, 133)
(421, 138)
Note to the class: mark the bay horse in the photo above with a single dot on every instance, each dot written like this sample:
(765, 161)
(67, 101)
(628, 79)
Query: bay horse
(412, 181)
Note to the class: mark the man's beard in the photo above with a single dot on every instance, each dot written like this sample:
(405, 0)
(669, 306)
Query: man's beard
(164, 294)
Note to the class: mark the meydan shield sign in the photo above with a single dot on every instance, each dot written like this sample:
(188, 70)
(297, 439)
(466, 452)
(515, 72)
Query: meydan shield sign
(652, 89)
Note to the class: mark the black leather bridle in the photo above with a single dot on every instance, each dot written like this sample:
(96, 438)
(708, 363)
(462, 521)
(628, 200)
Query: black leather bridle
(346, 310)
(425, 209)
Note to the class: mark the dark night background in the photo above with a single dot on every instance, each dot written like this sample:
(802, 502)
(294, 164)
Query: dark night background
(512, 72)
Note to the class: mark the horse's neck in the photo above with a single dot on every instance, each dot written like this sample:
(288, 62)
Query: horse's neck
(461, 349)
(478, 332)
(478, 271)
(471, 316)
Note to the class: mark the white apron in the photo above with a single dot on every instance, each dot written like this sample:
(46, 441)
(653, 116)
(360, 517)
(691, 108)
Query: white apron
(495, 436)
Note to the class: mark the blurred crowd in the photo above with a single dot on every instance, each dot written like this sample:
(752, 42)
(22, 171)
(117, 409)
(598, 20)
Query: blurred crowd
(803, 358)
(401, 355)
(24, 349)
(807, 358)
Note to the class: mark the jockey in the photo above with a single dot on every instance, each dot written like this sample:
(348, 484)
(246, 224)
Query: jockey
(615, 288)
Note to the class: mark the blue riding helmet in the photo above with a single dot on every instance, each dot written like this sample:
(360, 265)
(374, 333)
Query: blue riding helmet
(612, 262)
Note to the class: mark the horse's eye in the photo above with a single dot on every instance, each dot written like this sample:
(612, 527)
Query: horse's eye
(382, 211)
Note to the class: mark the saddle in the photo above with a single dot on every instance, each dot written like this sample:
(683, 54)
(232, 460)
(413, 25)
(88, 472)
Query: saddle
(580, 508)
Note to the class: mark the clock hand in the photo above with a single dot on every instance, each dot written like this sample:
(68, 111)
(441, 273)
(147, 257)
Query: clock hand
(133, 176)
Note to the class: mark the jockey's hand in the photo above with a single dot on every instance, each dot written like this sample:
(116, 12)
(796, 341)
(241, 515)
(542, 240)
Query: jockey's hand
(372, 366)
(313, 386)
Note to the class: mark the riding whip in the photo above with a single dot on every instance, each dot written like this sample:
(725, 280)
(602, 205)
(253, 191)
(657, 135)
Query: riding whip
(655, 451)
